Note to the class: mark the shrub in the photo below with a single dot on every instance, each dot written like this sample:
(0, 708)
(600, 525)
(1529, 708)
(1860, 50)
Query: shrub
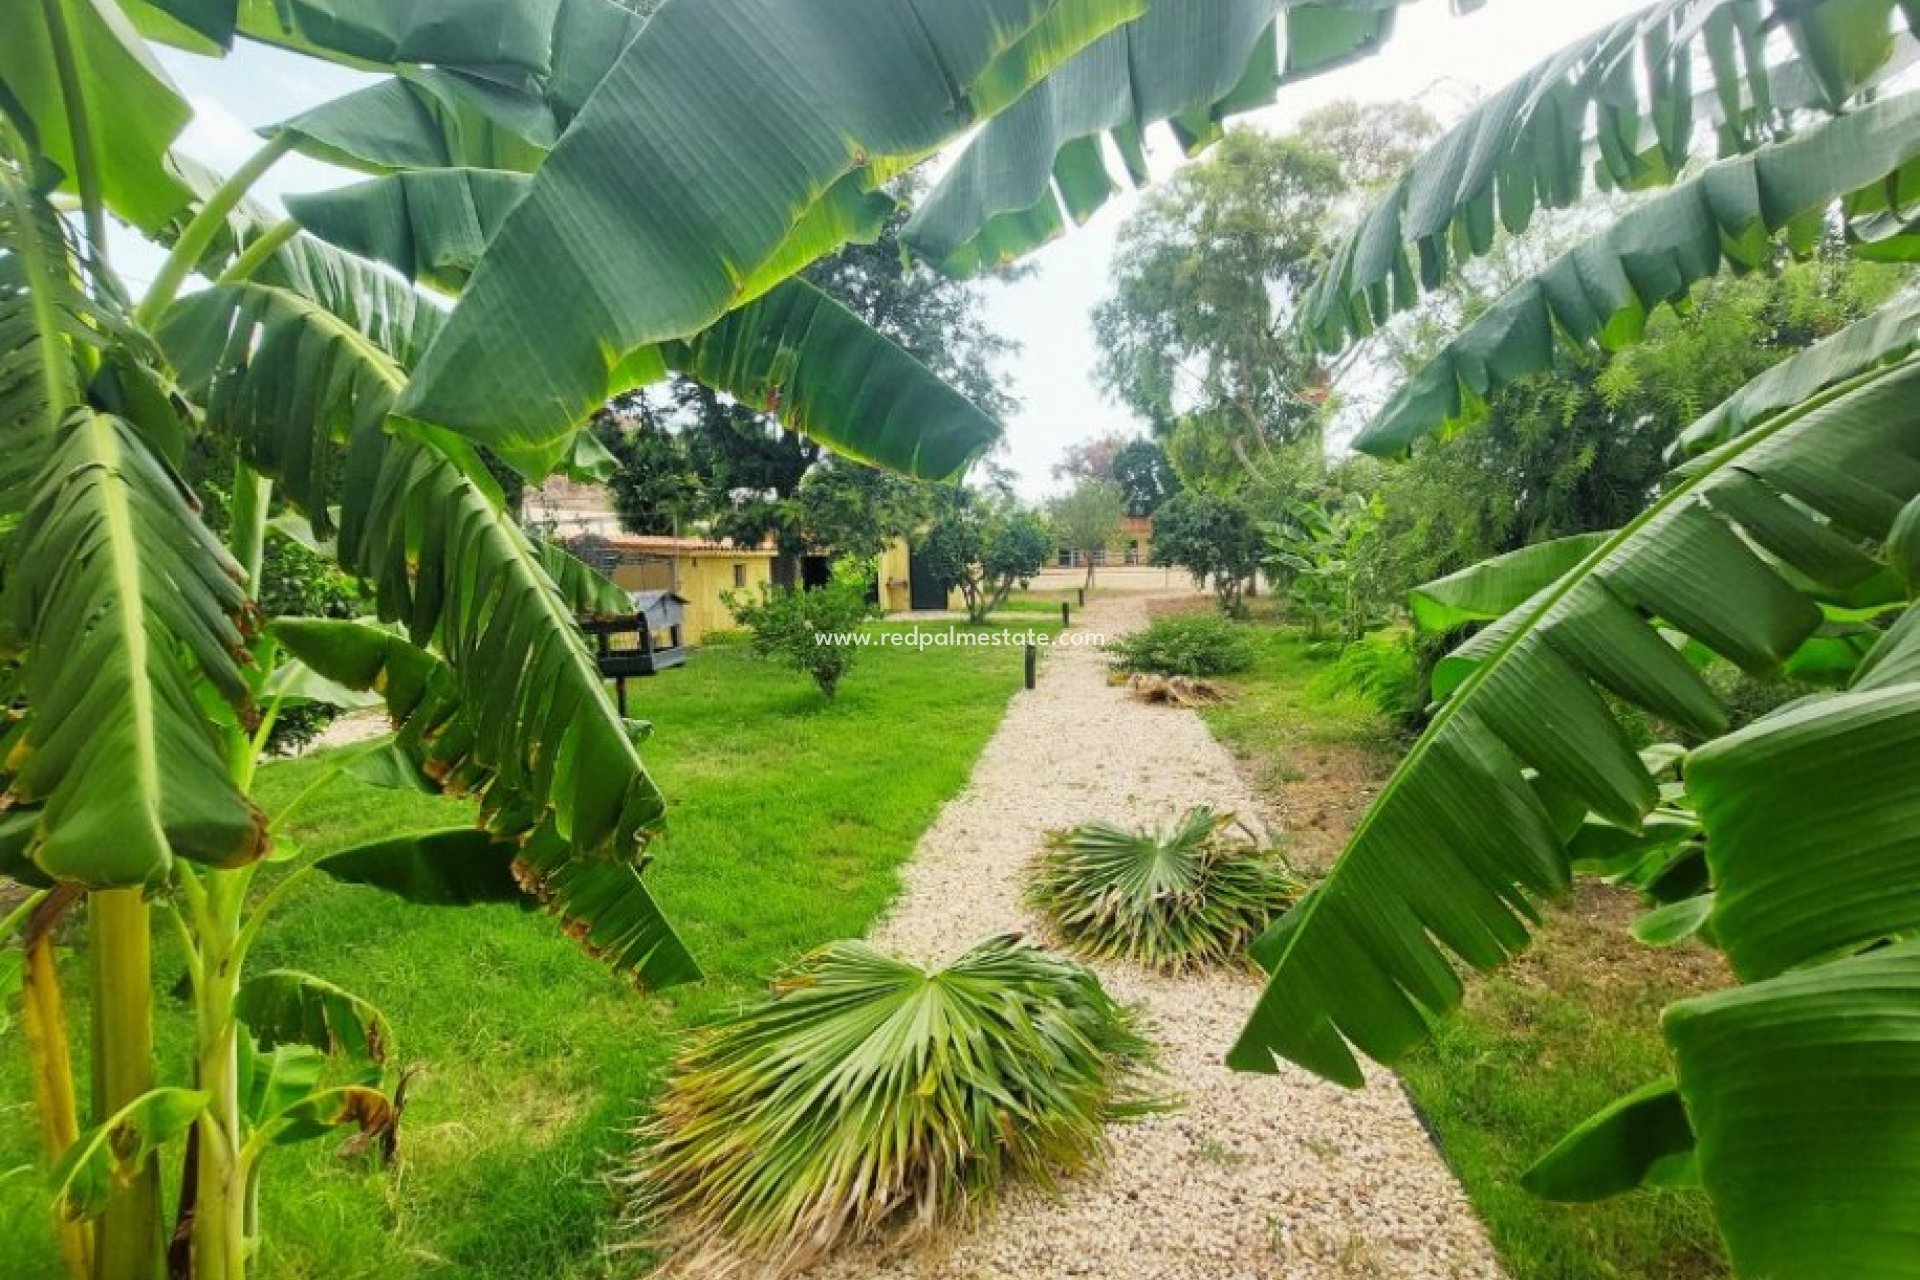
(1198, 645)
(1185, 896)
(866, 1093)
(788, 624)
(1384, 669)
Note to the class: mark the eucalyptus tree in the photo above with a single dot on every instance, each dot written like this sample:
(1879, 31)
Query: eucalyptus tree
(1787, 535)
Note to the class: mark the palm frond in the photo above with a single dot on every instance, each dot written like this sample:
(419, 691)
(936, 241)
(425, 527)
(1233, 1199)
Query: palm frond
(1187, 895)
(1604, 289)
(1472, 825)
(870, 1095)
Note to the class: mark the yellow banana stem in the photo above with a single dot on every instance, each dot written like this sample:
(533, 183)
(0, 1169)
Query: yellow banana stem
(45, 1022)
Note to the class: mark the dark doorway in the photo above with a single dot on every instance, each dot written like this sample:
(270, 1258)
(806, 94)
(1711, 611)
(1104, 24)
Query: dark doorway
(922, 590)
(815, 571)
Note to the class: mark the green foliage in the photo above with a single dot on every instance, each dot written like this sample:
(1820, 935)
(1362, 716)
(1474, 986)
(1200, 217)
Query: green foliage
(1196, 273)
(1582, 449)
(1042, 163)
(1087, 518)
(984, 546)
(1188, 895)
(1383, 668)
(1141, 468)
(866, 1093)
(1185, 645)
(1317, 555)
(1213, 538)
(809, 630)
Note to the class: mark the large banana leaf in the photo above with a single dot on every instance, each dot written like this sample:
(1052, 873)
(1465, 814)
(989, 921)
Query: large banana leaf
(1490, 590)
(1813, 829)
(1604, 289)
(1528, 147)
(1189, 64)
(431, 119)
(508, 40)
(604, 903)
(670, 192)
(126, 114)
(430, 226)
(1804, 1092)
(1448, 857)
(305, 392)
(793, 351)
(1889, 334)
(115, 598)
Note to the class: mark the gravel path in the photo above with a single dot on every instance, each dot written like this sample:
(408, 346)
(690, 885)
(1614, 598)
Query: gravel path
(1253, 1178)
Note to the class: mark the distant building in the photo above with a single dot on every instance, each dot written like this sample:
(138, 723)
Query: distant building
(1132, 546)
(697, 570)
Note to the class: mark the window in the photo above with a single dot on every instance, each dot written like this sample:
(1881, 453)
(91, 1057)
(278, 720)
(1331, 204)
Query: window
(739, 575)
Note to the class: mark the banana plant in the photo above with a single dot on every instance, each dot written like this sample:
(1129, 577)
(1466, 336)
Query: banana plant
(1190, 66)
(1792, 519)
(139, 678)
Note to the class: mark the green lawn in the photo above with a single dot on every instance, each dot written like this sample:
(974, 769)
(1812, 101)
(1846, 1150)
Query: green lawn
(790, 817)
(1538, 1047)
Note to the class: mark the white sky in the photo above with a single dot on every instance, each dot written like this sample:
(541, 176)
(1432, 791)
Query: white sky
(1441, 60)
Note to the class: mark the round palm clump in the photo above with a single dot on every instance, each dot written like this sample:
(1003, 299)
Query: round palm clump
(1188, 895)
(866, 1094)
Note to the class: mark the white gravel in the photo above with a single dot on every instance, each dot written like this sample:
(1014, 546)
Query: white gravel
(1253, 1178)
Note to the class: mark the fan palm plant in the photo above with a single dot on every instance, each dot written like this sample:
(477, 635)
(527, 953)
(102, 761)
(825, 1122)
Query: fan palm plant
(866, 1094)
(1795, 509)
(1187, 895)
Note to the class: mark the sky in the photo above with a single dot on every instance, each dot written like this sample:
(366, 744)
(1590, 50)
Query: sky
(1444, 61)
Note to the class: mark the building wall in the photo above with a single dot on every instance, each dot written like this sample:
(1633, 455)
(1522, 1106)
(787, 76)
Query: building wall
(896, 591)
(896, 580)
(702, 577)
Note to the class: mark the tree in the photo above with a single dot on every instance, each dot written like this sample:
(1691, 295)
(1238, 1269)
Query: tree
(1213, 538)
(1142, 470)
(812, 630)
(1087, 519)
(1091, 459)
(983, 546)
(1204, 279)
(1767, 838)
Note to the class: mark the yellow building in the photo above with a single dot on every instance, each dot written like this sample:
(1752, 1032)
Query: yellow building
(899, 590)
(695, 569)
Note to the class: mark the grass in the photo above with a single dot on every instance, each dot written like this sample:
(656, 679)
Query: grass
(1537, 1047)
(790, 819)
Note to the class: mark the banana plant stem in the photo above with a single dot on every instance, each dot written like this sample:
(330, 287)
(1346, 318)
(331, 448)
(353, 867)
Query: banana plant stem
(257, 253)
(45, 1023)
(193, 242)
(86, 161)
(128, 1243)
(219, 1220)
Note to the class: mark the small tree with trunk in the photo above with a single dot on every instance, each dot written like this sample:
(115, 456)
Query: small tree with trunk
(1212, 537)
(983, 548)
(1087, 518)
